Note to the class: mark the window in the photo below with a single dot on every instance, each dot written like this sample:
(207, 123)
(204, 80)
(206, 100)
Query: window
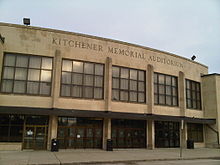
(195, 132)
(82, 79)
(128, 85)
(11, 127)
(165, 90)
(24, 74)
(193, 95)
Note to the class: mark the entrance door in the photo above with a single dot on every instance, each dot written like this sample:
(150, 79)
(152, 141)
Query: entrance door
(128, 133)
(35, 137)
(82, 133)
(167, 134)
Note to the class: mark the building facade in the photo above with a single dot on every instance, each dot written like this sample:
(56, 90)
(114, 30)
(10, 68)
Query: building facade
(83, 90)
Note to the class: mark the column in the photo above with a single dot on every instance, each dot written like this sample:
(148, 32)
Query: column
(1, 55)
(149, 91)
(150, 101)
(52, 133)
(182, 105)
(56, 77)
(108, 84)
(106, 132)
(53, 120)
(182, 98)
(108, 100)
(150, 134)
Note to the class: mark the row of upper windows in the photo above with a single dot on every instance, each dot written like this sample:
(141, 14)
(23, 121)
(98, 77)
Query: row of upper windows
(32, 75)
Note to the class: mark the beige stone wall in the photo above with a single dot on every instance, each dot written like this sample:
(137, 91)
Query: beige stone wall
(211, 104)
(47, 42)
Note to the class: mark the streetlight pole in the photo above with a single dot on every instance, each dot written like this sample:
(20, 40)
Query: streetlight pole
(181, 139)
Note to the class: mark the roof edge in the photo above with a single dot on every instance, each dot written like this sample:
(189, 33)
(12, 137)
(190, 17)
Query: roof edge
(212, 74)
(100, 38)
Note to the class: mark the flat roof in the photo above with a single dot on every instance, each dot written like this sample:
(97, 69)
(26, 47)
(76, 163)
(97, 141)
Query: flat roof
(98, 38)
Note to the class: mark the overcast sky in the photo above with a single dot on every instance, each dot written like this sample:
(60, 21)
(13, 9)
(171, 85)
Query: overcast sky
(182, 27)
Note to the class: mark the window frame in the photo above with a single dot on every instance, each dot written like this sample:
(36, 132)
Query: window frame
(165, 85)
(82, 85)
(26, 81)
(128, 90)
(198, 101)
(197, 130)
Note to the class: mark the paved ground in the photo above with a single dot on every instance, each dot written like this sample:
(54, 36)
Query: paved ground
(174, 162)
(132, 156)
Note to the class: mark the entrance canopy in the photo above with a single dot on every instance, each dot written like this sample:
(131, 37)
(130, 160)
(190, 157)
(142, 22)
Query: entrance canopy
(101, 114)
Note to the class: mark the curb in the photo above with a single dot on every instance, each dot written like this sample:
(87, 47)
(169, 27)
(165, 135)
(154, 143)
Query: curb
(130, 161)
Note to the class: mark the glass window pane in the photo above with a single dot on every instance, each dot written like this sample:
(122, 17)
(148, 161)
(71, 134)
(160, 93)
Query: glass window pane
(46, 63)
(19, 86)
(133, 74)
(174, 81)
(45, 88)
(8, 73)
(174, 91)
(66, 78)
(45, 76)
(141, 97)
(188, 94)
(193, 95)
(193, 86)
(156, 99)
(155, 78)
(133, 85)
(67, 65)
(22, 61)
(77, 79)
(35, 62)
(198, 97)
(115, 94)
(175, 101)
(124, 73)
(161, 99)
(161, 78)
(168, 90)
(33, 75)
(124, 84)
(123, 95)
(189, 104)
(32, 87)
(98, 93)
(115, 71)
(198, 87)
(161, 89)
(188, 84)
(20, 74)
(9, 60)
(98, 81)
(133, 96)
(77, 66)
(89, 68)
(168, 80)
(7, 86)
(65, 90)
(115, 83)
(88, 80)
(155, 88)
(141, 86)
(168, 100)
(98, 69)
(141, 75)
(88, 92)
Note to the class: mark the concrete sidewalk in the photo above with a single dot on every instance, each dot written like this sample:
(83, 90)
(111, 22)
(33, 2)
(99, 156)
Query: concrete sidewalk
(86, 156)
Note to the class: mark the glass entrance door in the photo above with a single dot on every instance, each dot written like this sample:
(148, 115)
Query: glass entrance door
(79, 132)
(35, 137)
(128, 133)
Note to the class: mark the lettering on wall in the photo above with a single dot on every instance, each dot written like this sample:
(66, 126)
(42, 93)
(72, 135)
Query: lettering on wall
(115, 51)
